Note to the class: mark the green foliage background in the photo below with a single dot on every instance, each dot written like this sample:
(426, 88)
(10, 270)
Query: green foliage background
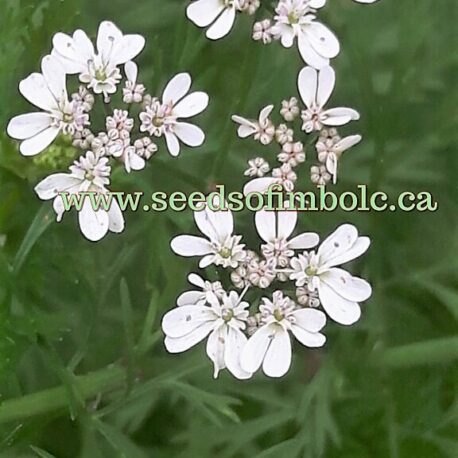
(83, 371)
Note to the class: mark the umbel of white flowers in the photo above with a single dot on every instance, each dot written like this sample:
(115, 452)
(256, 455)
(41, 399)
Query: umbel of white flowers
(99, 69)
(315, 88)
(294, 20)
(250, 330)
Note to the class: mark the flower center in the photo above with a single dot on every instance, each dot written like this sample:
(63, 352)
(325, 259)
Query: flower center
(89, 176)
(311, 271)
(278, 315)
(100, 74)
(158, 121)
(293, 17)
(225, 253)
(67, 118)
(227, 315)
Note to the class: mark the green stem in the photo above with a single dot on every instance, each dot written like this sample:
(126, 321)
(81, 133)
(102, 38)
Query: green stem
(51, 399)
(436, 351)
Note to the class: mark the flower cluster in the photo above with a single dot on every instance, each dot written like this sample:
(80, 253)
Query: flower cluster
(313, 120)
(292, 21)
(288, 288)
(127, 134)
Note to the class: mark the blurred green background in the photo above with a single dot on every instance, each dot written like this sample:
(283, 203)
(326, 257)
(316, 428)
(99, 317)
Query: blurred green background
(83, 371)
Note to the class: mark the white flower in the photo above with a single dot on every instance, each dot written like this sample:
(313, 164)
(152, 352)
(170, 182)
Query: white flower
(289, 109)
(224, 323)
(262, 31)
(263, 129)
(200, 297)
(338, 291)
(275, 228)
(48, 92)
(97, 69)
(163, 117)
(292, 154)
(331, 148)
(284, 134)
(220, 14)
(366, 1)
(249, 6)
(286, 176)
(133, 92)
(145, 147)
(270, 345)
(258, 167)
(316, 89)
(320, 175)
(295, 19)
(222, 248)
(89, 173)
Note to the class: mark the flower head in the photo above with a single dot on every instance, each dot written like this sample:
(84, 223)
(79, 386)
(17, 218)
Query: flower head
(221, 247)
(262, 129)
(218, 14)
(88, 174)
(99, 70)
(339, 292)
(47, 91)
(163, 117)
(270, 345)
(222, 320)
(316, 88)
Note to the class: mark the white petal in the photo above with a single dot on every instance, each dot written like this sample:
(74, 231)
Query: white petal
(190, 298)
(259, 185)
(246, 127)
(308, 85)
(235, 343)
(93, 224)
(205, 221)
(216, 225)
(189, 134)
(54, 75)
(180, 344)
(59, 208)
(309, 339)
(323, 41)
(107, 37)
(310, 319)
(361, 245)
(319, 3)
(351, 288)
(347, 143)
(304, 241)
(136, 162)
(28, 125)
(126, 49)
(215, 348)
(73, 52)
(115, 218)
(206, 261)
(191, 105)
(339, 116)
(183, 320)
(35, 89)
(265, 222)
(339, 242)
(223, 25)
(338, 308)
(326, 83)
(309, 55)
(189, 245)
(286, 222)
(204, 12)
(265, 112)
(53, 184)
(39, 142)
(287, 35)
(131, 70)
(255, 349)
(278, 357)
(196, 280)
(177, 88)
(172, 143)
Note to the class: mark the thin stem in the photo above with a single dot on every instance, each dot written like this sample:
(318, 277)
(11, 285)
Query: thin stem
(52, 399)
